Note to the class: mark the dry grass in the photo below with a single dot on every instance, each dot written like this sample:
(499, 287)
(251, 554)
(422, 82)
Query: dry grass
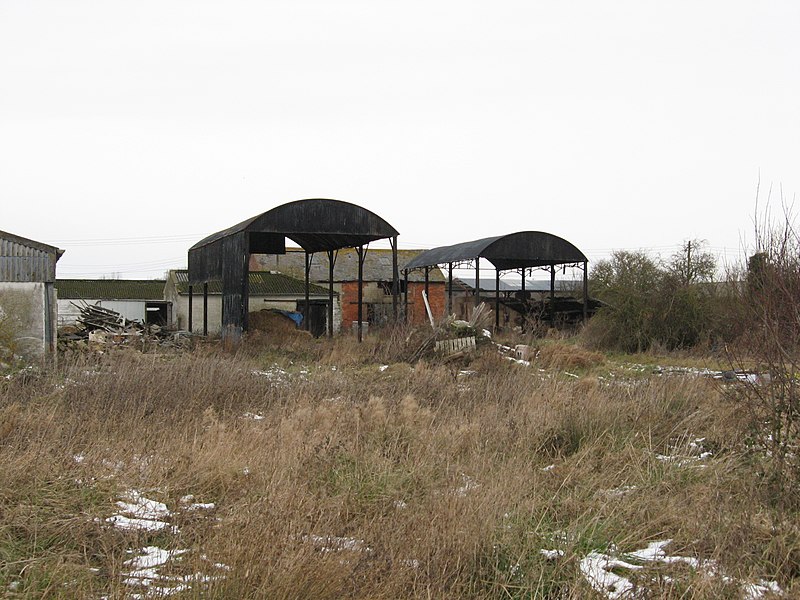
(561, 355)
(415, 481)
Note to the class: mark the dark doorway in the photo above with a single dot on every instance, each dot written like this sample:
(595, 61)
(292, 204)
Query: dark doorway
(317, 317)
(156, 313)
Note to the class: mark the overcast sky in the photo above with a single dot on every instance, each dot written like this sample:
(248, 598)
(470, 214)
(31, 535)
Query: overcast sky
(130, 130)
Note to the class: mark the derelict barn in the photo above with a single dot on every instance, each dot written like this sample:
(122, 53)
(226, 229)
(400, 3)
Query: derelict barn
(27, 295)
(316, 225)
(520, 252)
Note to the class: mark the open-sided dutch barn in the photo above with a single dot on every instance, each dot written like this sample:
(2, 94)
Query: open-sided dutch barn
(316, 225)
(520, 252)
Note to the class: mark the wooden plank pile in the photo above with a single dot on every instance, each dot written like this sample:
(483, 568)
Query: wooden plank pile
(99, 327)
(95, 317)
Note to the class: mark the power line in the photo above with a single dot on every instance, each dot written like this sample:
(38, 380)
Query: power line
(126, 241)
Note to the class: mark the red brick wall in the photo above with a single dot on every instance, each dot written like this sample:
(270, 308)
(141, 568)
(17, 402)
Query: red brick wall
(349, 300)
(416, 306)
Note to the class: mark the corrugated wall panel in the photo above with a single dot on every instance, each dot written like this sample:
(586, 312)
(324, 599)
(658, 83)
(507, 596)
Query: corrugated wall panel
(21, 263)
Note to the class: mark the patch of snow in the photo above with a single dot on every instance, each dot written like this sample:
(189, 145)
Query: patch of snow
(136, 505)
(754, 591)
(279, 376)
(602, 571)
(548, 468)
(330, 543)
(253, 416)
(653, 551)
(151, 556)
(382, 368)
(551, 554)
(468, 486)
(618, 492)
(519, 361)
(412, 563)
(201, 506)
(597, 569)
(142, 575)
(686, 455)
(133, 524)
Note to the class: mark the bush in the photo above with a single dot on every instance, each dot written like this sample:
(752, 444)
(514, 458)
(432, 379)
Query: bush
(772, 342)
(672, 305)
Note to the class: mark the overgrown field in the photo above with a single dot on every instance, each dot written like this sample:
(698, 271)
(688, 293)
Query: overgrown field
(323, 470)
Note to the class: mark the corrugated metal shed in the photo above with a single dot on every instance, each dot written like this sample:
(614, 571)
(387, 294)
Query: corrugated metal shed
(26, 261)
(110, 289)
(261, 284)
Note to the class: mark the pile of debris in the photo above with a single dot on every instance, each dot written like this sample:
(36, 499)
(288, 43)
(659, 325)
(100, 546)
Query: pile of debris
(94, 317)
(97, 327)
(453, 338)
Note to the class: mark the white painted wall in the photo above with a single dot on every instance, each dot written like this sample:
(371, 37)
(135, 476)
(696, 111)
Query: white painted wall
(131, 310)
(28, 318)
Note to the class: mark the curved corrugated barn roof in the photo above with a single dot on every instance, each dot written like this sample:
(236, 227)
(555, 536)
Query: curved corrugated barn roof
(513, 251)
(315, 224)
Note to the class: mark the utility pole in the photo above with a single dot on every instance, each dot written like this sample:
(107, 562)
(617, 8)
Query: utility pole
(689, 262)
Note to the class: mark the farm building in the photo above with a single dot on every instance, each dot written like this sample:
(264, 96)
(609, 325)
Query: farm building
(28, 310)
(377, 277)
(134, 299)
(317, 225)
(518, 305)
(266, 291)
(521, 252)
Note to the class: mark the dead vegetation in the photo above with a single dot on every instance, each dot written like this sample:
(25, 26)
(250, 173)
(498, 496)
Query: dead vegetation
(329, 469)
(561, 355)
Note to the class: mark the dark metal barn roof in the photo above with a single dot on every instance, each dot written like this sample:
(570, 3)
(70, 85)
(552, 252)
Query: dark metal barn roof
(523, 249)
(315, 225)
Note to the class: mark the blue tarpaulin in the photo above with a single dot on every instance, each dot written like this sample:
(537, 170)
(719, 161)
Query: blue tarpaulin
(294, 316)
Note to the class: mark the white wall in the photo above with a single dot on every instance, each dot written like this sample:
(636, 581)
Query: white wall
(27, 318)
(180, 315)
(130, 309)
(181, 310)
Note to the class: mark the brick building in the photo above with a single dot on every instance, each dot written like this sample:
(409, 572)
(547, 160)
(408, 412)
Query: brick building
(377, 288)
